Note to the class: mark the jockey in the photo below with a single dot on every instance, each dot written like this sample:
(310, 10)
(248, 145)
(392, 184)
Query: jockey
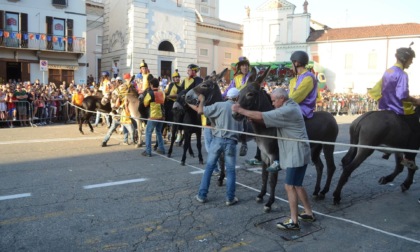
(144, 70)
(239, 81)
(192, 79)
(105, 85)
(304, 86)
(171, 92)
(241, 76)
(393, 94)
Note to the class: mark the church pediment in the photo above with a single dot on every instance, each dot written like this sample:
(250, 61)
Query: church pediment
(275, 5)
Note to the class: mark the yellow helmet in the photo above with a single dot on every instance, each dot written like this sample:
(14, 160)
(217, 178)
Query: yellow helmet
(143, 64)
(175, 74)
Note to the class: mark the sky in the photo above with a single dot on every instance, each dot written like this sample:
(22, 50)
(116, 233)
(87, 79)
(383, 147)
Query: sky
(336, 13)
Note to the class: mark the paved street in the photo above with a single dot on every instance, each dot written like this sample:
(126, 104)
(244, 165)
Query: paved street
(61, 191)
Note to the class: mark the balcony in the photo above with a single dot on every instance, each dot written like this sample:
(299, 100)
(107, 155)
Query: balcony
(42, 42)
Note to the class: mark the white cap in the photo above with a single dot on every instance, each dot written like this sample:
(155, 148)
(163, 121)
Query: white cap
(113, 79)
(118, 78)
(232, 93)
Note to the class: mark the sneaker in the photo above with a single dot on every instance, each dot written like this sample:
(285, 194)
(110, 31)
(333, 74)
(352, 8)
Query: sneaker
(288, 225)
(216, 173)
(306, 217)
(254, 161)
(201, 200)
(125, 143)
(243, 150)
(103, 144)
(35, 118)
(410, 164)
(232, 202)
(178, 138)
(144, 153)
(274, 167)
(14, 118)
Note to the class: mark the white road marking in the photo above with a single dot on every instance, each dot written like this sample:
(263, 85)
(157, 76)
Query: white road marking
(15, 196)
(50, 140)
(114, 183)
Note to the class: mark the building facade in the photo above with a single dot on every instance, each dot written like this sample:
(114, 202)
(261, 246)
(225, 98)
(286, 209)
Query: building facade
(167, 35)
(44, 39)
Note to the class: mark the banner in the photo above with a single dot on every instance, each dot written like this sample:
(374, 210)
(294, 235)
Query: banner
(58, 31)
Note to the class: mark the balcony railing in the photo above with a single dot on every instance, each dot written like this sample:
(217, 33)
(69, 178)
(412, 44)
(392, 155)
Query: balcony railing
(42, 41)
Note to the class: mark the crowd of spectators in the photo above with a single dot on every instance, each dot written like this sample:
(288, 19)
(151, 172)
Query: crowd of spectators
(28, 104)
(47, 103)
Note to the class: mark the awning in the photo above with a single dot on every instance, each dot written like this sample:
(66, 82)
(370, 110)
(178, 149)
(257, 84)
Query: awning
(62, 64)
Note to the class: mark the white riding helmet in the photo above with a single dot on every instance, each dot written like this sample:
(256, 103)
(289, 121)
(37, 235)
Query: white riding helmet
(232, 93)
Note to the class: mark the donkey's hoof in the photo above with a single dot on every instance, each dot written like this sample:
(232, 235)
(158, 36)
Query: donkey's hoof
(404, 187)
(259, 199)
(182, 163)
(201, 162)
(267, 209)
(337, 201)
(382, 181)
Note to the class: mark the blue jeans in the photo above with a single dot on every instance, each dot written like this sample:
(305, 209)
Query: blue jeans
(217, 146)
(128, 129)
(150, 126)
(114, 125)
(208, 137)
(98, 115)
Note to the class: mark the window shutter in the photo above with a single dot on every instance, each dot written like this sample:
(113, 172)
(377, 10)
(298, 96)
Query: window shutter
(1, 20)
(1, 25)
(70, 34)
(49, 24)
(24, 30)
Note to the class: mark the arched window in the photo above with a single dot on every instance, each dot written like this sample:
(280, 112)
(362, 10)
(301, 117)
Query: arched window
(166, 46)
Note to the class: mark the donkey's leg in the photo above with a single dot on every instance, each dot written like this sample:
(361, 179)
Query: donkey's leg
(222, 169)
(173, 138)
(361, 156)
(264, 179)
(200, 156)
(398, 169)
(273, 184)
(329, 158)
(187, 144)
(139, 133)
(315, 156)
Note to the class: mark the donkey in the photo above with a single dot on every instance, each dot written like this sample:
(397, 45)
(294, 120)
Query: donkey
(211, 91)
(189, 117)
(89, 105)
(321, 127)
(376, 128)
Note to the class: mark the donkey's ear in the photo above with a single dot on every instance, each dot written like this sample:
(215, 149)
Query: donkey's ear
(219, 76)
(261, 78)
(253, 75)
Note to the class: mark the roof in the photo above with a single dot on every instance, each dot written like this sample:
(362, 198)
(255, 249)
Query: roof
(365, 32)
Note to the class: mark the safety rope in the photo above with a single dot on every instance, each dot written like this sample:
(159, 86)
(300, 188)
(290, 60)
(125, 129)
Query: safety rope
(380, 148)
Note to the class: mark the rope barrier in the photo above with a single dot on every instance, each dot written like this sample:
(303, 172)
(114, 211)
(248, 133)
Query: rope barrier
(380, 148)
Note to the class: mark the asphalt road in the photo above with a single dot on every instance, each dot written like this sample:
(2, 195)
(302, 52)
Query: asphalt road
(61, 191)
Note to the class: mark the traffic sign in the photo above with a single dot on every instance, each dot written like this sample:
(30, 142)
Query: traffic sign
(43, 65)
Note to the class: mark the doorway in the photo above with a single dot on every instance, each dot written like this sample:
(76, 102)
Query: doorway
(14, 71)
(166, 68)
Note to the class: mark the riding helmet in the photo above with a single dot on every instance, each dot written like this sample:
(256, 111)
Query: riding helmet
(194, 67)
(105, 73)
(301, 57)
(143, 64)
(403, 54)
(242, 60)
(175, 74)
